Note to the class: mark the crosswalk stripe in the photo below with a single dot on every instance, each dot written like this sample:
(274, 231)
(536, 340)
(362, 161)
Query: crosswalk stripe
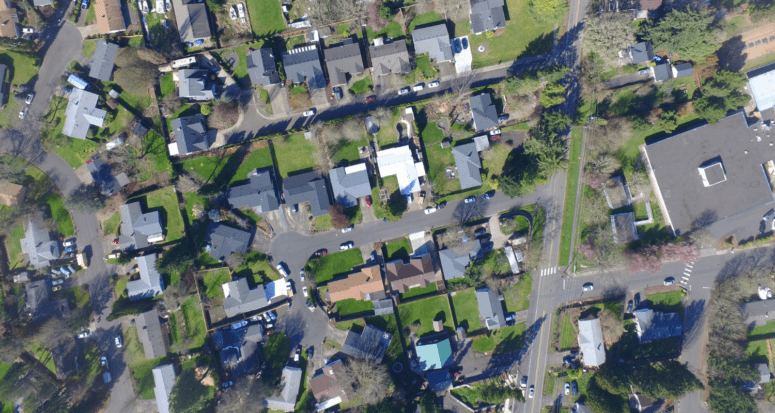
(689, 265)
(688, 269)
(685, 278)
(683, 282)
(687, 274)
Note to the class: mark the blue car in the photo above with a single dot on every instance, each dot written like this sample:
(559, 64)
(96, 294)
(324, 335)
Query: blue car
(69, 249)
(465, 43)
(456, 44)
(575, 388)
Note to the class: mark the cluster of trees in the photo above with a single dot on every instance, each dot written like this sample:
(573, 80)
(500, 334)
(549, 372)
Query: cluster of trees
(136, 69)
(529, 82)
(688, 34)
(607, 34)
(650, 257)
(720, 94)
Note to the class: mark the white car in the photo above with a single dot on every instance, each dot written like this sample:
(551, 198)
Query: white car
(430, 210)
(309, 113)
(301, 274)
(435, 83)
(281, 270)
(470, 199)
(567, 388)
(118, 342)
(57, 281)
(403, 91)
(29, 98)
(68, 243)
(495, 132)
(418, 87)
(532, 391)
(239, 324)
(23, 112)
(84, 334)
(348, 229)
(346, 246)
(588, 287)
(304, 290)
(104, 362)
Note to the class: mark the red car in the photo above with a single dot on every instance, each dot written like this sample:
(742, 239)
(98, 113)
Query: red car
(495, 137)
(370, 99)
(368, 201)
(114, 242)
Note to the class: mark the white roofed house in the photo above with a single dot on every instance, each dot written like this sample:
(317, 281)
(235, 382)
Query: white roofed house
(399, 161)
(81, 113)
(164, 380)
(591, 342)
(150, 283)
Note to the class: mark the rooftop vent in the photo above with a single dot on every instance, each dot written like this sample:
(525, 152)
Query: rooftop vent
(712, 174)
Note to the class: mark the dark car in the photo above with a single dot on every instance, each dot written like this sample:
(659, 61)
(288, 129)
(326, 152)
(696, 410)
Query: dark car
(637, 300)
(575, 388)
(369, 99)
(480, 231)
(441, 205)
(465, 43)
(485, 237)
(310, 352)
(503, 118)
(629, 307)
(338, 93)
(487, 246)
(457, 45)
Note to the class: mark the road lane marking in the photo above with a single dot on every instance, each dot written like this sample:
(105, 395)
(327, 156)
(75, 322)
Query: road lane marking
(540, 348)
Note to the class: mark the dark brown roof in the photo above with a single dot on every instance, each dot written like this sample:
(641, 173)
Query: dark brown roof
(326, 383)
(650, 4)
(402, 276)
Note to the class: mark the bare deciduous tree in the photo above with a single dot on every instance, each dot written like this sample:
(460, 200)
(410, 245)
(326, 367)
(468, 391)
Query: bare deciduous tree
(243, 396)
(352, 130)
(187, 183)
(382, 116)
(369, 379)
(235, 261)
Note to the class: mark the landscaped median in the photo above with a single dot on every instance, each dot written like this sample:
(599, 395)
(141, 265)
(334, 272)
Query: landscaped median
(571, 188)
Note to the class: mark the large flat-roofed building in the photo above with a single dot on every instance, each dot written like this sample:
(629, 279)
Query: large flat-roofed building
(714, 175)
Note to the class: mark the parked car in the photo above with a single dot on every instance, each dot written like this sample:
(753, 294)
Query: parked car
(83, 334)
(465, 43)
(55, 271)
(294, 209)
(567, 388)
(487, 246)
(368, 201)
(68, 243)
(23, 112)
(575, 387)
(320, 253)
(29, 98)
(239, 324)
(104, 362)
(480, 231)
(310, 352)
(64, 270)
(227, 384)
(369, 99)
(435, 83)
(418, 87)
(403, 91)
(495, 132)
(470, 199)
(272, 314)
(669, 281)
(457, 46)
(301, 275)
(348, 229)
(71, 269)
(441, 204)
(310, 305)
(503, 118)
(588, 287)
(532, 391)
(346, 246)
(297, 354)
(523, 382)
(304, 290)
(69, 249)
(281, 269)
(430, 210)
(487, 195)
(85, 5)
(57, 288)
(643, 72)
(119, 344)
(309, 113)
(338, 93)
(769, 215)
(57, 281)
(637, 300)
(494, 138)
(629, 307)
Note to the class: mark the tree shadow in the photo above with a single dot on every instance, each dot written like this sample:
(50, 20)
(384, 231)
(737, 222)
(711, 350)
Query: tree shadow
(732, 54)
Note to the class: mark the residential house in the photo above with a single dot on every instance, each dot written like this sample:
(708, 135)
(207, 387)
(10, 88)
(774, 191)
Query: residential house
(383, 307)
(41, 3)
(9, 23)
(763, 378)
(240, 299)
(138, 229)
(623, 227)
(483, 112)
(682, 70)
(195, 84)
(439, 380)
(661, 72)
(110, 17)
(21, 277)
(453, 265)
(192, 20)
(581, 408)
(238, 349)
(713, 175)
(487, 15)
(399, 161)
(641, 53)
(302, 64)
(591, 342)
(38, 245)
(418, 272)
(370, 344)
(262, 67)
(37, 297)
(434, 41)
(289, 385)
(103, 177)
(653, 325)
(11, 194)
(150, 283)
(163, 379)
(222, 241)
(103, 59)
(490, 309)
(468, 165)
(349, 183)
(434, 352)
(330, 386)
(259, 193)
(764, 373)
(761, 81)
(363, 285)
(342, 60)
(191, 135)
(757, 313)
(81, 113)
(307, 187)
(390, 58)
(150, 334)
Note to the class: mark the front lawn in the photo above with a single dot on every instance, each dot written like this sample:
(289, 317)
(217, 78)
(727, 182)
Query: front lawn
(323, 223)
(353, 306)
(294, 154)
(669, 302)
(764, 330)
(74, 151)
(110, 226)
(466, 310)
(134, 356)
(521, 38)
(260, 158)
(257, 268)
(266, 18)
(567, 333)
(330, 266)
(418, 291)
(421, 313)
(213, 280)
(362, 86)
(426, 67)
(60, 214)
(166, 202)
(501, 340)
(517, 297)
(90, 45)
(399, 249)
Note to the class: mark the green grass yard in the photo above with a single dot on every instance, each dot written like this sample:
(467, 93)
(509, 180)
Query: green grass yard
(134, 356)
(210, 169)
(167, 85)
(352, 306)
(466, 311)
(60, 214)
(388, 135)
(425, 20)
(42, 354)
(418, 291)
(74, 151)
(195, 323)
(424, 312)
(666, 302)
(517, 297)
(347, 325)
(260, 158)
(567, 333)
(571, 187)
(757, 351)
(362, 86)
(110, 226)
(392, 30)
(156, 150)
(212, 281)
(257, 268)
(294, 154)
(397, 249)
(764, 330)
(425, 67)
(266, 17)
(330, 266)
(17, 259)
(349, 151)
(89, 45)
(166, 202)
(323, 222)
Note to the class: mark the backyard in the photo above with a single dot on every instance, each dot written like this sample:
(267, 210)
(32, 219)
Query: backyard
(352, 306)
(213, 280)
(419, 315)
(330, 266)
(260, 158)
(166, 202)
(418, 291)
(257, 268)
(294, 154)
(266, 17)
(466, 309)
(210, 169)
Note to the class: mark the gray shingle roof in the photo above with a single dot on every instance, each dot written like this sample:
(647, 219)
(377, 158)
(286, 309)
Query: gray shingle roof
(238, 349)
(101, 173)
(81, 113)
(433, 40)
(259, 193)
(163, 379)
(383, 307)
(195, 84)
(224, 241)
(484, 112)
(37, 296)
(137, 227)
(591, 342)
(38, 246)
(371, 343)
(302, 64)
(683, 70)
(349, 183)
(240, 299)
(192, 20)
(653, 325)
(662, 72)
(453, 265)
(343, 59)
(192, 135)
(439, 380)
(468, 165)
(262, 67)
(149, 332)
(289, 390)
(390, 58)
(759, 312)
(490, 308)
(487, 15)
(641, 52)
(150, 283)
(102, 65)
(307, 187)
